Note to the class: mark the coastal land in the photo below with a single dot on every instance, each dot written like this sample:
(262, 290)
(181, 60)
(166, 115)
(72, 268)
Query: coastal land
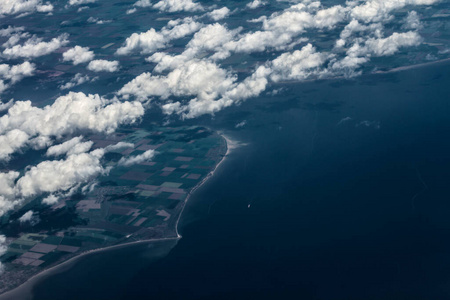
(131, 205)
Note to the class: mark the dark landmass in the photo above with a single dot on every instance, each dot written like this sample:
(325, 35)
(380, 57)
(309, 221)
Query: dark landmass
(141, 202)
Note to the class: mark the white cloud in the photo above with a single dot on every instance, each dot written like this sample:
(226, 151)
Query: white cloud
(185, 75)
(7, 105)
(281, 29)
(219, 14)
(255, 4)
(194, 78)
(362, 50)
(11, 142)
(67, 115)
(234, 93)
(134, 160)
(35, 47)
(388, 46)
(379, 10)
(150, 41)
(210, 38)
(80, 2)
(15, 38)
(78, 79)
(16, 72)
(119, 146)
(50, 199)
(177, 5)
(26, 217)
(40, 142)
(78, 55)
(101, 65)
(412, 21)
(298, 18)
(72, 146)
(143, 3)
(146, 42)
(298, 65)
(60, 175)
(98, 21)
(10, 30)
(14, 35)
(169, 5)
(10, 7)
(7, 183)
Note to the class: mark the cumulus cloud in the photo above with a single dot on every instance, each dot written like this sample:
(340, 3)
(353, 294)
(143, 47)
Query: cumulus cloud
(7, 105)
(279, 31)
(234, 93)
(219, 14)
(213, 88)
(78, 79)
(67, 115)
(150, 41)
(80, 2)
(10, 30)
(7, 183)
(14, 35)
(11, 7)
(14, 74)
(119, 146)
(210, 38)
(169, 5)
(26, 217)
(255, 4)
(412, 21)
(379, 10)
(12, 141)
(386, 46)
(177, 5)
(134, 160)
(194, 78)
(35, 47)
(101, 65)
(60, 175)
(72, 146)
(98, 21)
(78, 55)
(50, 199)
(143, 3)
(298, 65)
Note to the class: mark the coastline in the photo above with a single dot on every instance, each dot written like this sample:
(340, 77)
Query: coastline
(394, 70)
(411, 67)
(230, 145)
(37, 276)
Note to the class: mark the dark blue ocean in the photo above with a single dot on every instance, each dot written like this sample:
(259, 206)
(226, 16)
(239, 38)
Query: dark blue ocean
(348, 183)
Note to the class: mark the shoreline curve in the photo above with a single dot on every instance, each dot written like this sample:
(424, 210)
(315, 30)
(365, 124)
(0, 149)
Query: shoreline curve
(230, 144)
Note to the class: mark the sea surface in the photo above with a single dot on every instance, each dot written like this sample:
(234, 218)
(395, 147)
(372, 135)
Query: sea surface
(340, 190)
